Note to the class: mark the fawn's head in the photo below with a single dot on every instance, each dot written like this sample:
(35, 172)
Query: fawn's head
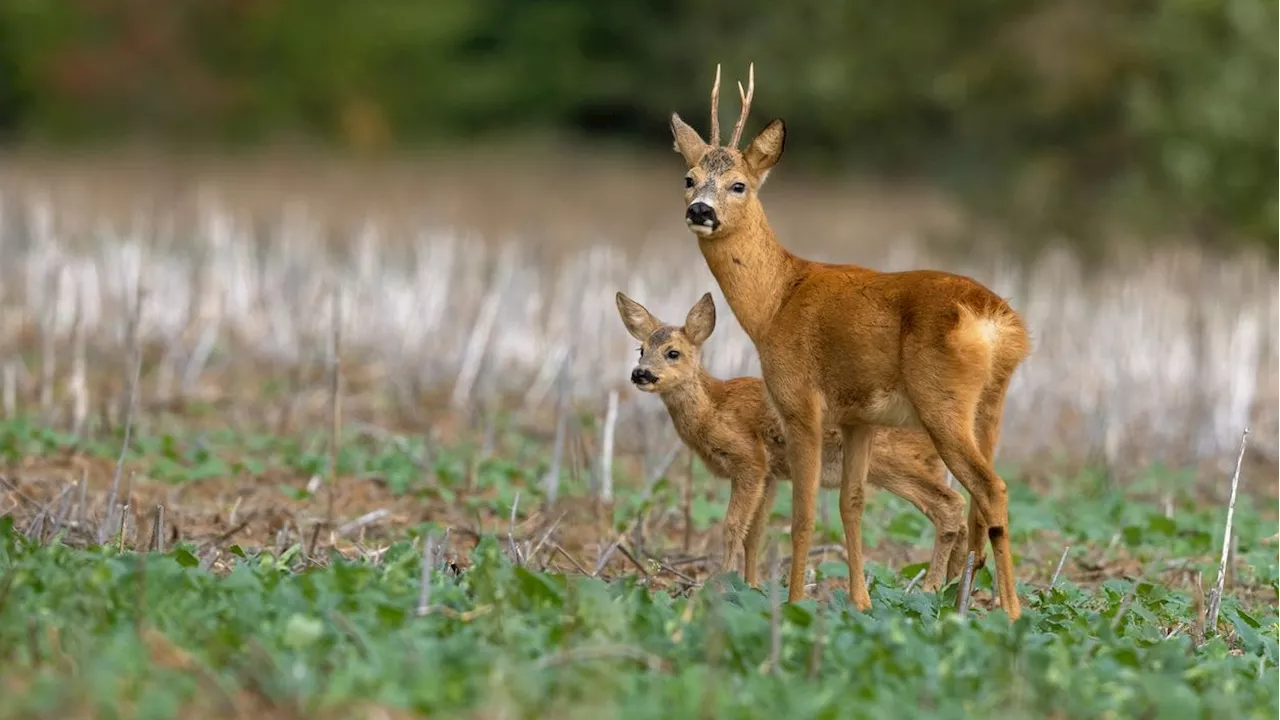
(669, 354)
(721, 186)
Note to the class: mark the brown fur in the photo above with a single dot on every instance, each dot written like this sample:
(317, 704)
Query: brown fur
(730, 425)
(850, 347)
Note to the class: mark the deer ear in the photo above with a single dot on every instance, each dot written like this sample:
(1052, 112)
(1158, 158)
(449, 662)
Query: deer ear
(687, 140)
(640, 323)
(701, 320)
(766, 149)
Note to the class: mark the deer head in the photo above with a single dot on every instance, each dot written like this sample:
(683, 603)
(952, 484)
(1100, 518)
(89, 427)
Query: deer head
(670, 355)
(722, 183)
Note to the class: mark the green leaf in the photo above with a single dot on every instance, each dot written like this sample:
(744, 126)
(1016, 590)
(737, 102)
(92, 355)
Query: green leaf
(302, 631)
(538, 587)
(183, 557)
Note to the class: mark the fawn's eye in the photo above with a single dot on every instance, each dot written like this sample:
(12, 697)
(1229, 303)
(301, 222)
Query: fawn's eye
(688, 181)
(641, 351)
(738, 187)
(673, 354)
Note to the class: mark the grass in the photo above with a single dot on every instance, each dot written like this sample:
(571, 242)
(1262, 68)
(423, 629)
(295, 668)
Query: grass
(451, 602)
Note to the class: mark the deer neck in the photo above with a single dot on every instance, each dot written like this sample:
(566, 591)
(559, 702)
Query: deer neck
(690, 404)
(754, 272)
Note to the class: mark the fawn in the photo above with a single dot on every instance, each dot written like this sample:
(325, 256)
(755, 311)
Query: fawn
(729, 424)
(846, 346)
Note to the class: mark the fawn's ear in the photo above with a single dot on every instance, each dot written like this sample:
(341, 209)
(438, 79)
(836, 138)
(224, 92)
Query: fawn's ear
(688, 142)
(701, 320)
(766, 149)
(639, 321)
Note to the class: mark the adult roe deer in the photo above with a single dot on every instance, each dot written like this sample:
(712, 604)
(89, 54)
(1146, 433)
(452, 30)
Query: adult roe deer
(728, 423)
(851, 347)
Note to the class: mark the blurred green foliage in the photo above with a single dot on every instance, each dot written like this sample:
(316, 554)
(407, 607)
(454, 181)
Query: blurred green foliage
(1048, 110)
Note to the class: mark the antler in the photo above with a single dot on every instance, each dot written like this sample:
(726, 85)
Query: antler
(715, 109)
(746, 104)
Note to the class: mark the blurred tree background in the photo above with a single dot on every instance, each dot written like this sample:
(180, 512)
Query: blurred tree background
(1071, 113)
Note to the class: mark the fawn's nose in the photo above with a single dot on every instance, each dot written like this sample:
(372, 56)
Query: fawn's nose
(702, 214)
(641, 376)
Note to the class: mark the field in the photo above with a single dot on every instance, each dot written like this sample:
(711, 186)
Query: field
(226, 499)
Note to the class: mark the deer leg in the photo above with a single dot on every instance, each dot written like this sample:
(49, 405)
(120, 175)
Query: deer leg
(986, 427)
(855, 460)
(756, 532)
(802, 423)
(988, 496)
(943, 506)
(960, 550)
(745, 494)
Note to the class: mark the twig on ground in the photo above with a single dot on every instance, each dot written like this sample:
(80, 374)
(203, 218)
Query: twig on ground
(157, 530)
(424, 583)
(82, 505)
(124, 524)
(667, 567)
(511, 531)
(543, 540)
(599, 652)
(1215, 597)
(911, 585)
(558, 548)
(622, 548)
(363, 521)
(1058, 571)
(966, 585)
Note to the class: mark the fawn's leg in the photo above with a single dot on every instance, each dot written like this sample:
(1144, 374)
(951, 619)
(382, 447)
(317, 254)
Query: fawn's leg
(929, 493)
(745, 494)
(960, 550)
(756, 532)
(856, 458)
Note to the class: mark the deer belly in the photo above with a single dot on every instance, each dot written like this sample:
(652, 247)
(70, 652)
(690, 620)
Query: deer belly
(887, 408)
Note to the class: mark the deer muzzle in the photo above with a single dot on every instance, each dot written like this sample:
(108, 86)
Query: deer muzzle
(642, 376)
(701, 214)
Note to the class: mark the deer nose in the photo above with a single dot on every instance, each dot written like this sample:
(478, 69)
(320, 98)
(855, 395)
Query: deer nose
(700, 213)
(641, 376)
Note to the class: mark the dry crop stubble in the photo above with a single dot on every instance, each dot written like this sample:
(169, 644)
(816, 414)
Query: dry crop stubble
(1161, 356)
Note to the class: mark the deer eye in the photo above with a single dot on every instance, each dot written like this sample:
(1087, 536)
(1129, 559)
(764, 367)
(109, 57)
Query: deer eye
(738, 187)
(641, 351)
(673, 354)
(688, 181)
